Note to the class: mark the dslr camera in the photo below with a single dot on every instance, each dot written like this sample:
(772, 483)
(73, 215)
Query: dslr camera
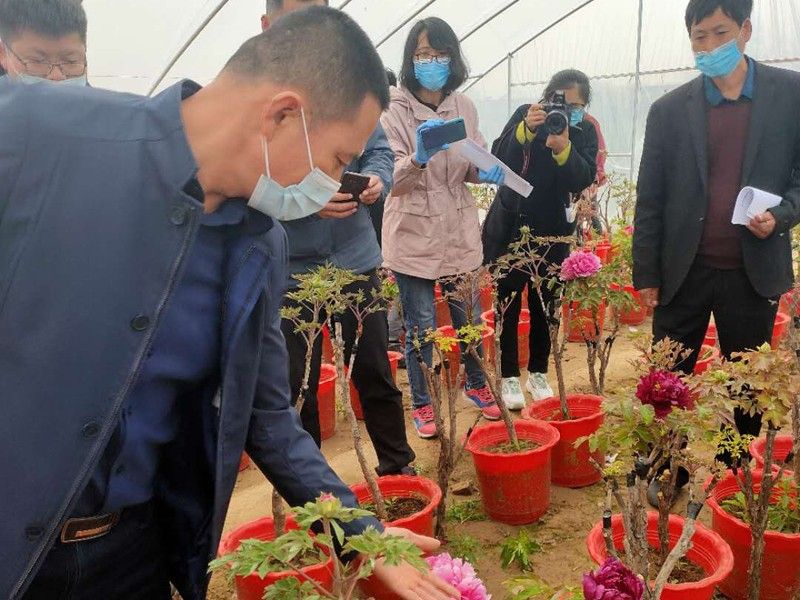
(558, 114)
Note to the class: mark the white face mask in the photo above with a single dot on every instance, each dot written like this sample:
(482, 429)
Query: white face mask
(295, 201)
(30, 79)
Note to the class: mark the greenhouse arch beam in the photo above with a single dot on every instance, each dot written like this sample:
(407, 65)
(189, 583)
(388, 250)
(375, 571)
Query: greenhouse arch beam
(487, 20)
(530, 40)
(185, 46)
(413, 16)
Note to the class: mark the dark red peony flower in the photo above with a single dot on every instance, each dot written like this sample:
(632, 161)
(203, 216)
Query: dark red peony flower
(612, 581)
(664, 390)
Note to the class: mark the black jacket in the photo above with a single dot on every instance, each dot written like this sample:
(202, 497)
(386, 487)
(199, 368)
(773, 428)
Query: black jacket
(672, 188)
(544, 210)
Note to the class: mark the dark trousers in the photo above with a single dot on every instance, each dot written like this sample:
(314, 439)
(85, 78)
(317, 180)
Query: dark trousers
(128, 563)
(380, 398)
(744, 319)
(539, 339)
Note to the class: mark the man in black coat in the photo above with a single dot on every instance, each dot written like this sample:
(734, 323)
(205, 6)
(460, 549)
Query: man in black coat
(734, 126)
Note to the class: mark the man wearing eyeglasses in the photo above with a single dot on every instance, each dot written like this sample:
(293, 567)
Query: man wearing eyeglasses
(43, 40)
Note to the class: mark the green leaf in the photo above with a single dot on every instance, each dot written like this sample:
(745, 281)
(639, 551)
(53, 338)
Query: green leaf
(518, 550)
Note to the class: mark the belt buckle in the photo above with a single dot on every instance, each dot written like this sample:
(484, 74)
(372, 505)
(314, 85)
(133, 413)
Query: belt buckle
(88, 528)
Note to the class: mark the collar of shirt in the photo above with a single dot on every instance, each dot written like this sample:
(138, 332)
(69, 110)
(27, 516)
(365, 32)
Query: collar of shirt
(715, 97)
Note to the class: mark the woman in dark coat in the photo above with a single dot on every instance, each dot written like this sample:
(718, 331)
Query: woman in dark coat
(558, 167)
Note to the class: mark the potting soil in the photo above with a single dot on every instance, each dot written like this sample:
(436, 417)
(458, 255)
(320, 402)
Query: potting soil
(399, 508)
(684, 572)
(511, 448)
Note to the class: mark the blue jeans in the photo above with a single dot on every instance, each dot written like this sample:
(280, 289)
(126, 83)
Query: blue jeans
(417, 298)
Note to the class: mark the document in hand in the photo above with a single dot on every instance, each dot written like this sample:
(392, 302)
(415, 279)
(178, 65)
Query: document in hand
(485, 160)
(752, 202)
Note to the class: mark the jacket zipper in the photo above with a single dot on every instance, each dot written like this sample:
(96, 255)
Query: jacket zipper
(108, 427)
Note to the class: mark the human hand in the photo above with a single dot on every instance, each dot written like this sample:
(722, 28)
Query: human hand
(762, 226)
(340, 207)
(650, 296)
(373, 191)
(558, 143)
(495, 175)
(535, 117)
(424, 155)
(409, 583)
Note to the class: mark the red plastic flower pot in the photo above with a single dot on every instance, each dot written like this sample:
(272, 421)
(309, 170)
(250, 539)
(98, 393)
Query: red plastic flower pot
(783, 446)
(355, 399)
(244, 462)
(523, 333)
(782, 321)
(326, 401)
(780, 575)
(515, 488)
(405, 486)
(581, 322)
(790, 302)
(707, 355)
(709, 551)
(487, 297)
(442, 307)
(636, 315)
(603, 250)
(327, 346)
(252, 587)
(571, 466)
(454, 356)
(711, 335)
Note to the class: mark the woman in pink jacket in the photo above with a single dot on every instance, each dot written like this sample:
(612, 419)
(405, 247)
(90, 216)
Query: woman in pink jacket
(430, 223)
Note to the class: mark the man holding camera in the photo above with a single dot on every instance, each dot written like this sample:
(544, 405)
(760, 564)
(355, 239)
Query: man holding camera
(342, 234)
(553, 147)
(733, 126)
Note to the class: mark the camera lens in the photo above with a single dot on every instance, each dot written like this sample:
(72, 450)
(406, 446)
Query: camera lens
(556, 122)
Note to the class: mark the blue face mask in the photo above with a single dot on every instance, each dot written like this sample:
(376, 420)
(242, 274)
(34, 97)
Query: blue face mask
(432, 75)
(720, 62)
(288, 203)
(576, 116)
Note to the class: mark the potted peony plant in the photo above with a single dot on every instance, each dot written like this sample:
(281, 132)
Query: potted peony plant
(754, 509)
(654, 432)
(298, 564)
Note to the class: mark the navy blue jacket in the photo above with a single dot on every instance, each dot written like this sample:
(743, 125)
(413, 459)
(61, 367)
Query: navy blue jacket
(349, 243)
(94, 232)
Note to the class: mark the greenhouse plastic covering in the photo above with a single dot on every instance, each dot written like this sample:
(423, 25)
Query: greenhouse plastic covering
(633, 50)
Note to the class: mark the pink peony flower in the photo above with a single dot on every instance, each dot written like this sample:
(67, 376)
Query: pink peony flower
(460, 574)
(580, 264)
(664, 390)
(629, 230)
(612, 581)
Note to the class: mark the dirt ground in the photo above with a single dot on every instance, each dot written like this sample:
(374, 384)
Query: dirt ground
(561, 532)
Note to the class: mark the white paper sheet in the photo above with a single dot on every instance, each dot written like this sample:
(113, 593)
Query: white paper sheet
(752, 202)
(485, 160)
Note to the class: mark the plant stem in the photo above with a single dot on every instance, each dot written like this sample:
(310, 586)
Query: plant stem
(278, 514)
(343, 382)
(758, 516)
(498, 396)
(337, 568)
(319, 589)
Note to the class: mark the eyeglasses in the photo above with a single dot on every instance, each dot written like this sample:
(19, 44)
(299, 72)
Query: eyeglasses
(43, 68)
(427, 59)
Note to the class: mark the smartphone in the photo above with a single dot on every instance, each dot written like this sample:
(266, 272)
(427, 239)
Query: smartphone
(447, 133)
(354, 183)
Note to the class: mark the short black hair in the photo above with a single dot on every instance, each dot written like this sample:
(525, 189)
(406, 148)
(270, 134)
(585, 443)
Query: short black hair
(442, 38)
(322, 52)
(391, 78)
(50, 18)
(697, 10)
(274, 6)
(567, 79)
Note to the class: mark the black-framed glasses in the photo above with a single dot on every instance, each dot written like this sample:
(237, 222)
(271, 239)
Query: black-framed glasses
(43, 68)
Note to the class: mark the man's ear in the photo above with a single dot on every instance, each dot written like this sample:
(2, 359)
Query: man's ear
(282, 108)
(265, 22)
(747, 31)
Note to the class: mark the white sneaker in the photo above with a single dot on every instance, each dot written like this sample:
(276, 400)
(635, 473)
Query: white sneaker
(513, 397)
(538, 387)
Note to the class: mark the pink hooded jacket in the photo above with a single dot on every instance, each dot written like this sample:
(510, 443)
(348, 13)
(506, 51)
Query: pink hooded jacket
(430, 223)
